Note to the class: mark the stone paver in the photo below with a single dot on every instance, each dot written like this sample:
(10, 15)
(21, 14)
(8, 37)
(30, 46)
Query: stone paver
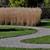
(15, 41)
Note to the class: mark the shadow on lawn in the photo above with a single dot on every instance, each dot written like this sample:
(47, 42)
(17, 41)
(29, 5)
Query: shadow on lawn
(44, 24)
(6, 30)
(11, 29)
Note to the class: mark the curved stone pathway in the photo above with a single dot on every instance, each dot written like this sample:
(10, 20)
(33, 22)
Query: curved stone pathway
(15, 41)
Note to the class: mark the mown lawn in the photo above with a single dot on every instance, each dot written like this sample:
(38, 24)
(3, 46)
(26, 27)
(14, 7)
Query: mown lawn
(39, 40)
(11, 32)
(45, 23)
(23, 48)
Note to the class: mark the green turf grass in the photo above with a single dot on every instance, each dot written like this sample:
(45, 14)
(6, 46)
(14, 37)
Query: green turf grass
(11, 32)
(1, 48)
(39, 40)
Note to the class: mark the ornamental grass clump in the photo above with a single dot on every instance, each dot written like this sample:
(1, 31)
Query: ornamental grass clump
(20, 16)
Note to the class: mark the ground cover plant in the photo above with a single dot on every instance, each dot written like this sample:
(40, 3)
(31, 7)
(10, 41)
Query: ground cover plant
(39, 40)
(12, 31)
